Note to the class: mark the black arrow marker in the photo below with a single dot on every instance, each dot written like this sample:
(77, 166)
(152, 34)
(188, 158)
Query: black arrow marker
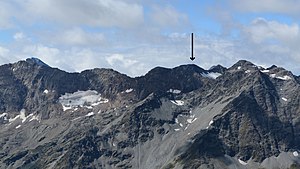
(192, 48)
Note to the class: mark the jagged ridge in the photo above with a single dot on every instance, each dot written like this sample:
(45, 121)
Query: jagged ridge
(183, 117)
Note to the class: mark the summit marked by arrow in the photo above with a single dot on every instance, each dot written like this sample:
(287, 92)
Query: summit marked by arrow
(192, 47)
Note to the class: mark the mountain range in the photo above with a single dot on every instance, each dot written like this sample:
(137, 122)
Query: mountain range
(244, 116)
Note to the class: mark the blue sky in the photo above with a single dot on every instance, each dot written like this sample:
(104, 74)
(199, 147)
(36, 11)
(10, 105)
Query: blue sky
(133, 36)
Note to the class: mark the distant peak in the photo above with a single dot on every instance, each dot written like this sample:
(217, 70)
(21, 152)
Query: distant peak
(36, 61)
(217, 69)
(243, 64)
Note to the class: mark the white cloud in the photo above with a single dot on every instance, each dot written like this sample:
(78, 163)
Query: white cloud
(3, 51)
(77, 36)
(5, 14)
(97, 13)
(168, 16)
(19, 36)
(6, 56)
(276, 6)
(113, 59)
(125, 64)
(50, 55)
(273, 42)
(261, 30)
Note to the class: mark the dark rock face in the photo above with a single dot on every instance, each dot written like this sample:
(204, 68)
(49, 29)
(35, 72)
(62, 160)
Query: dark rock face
(169, 118)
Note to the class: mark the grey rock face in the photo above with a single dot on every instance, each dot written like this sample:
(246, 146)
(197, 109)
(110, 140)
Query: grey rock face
(248, 117)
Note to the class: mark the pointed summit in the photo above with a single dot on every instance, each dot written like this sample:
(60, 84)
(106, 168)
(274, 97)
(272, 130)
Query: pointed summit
(36, 61)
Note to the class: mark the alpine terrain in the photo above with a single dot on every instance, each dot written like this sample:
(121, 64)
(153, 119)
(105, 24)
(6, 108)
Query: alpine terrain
(240, 117)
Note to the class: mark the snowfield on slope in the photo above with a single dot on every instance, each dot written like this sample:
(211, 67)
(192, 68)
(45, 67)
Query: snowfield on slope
(87, 98)
(212, 75)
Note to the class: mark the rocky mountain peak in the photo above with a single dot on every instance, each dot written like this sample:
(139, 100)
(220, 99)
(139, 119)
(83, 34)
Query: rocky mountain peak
(243, 64)
(36, 61)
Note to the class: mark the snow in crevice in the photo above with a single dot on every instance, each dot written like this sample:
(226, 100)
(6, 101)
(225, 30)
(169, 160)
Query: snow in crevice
(127, 90)
(285, 77)
(265, 71)
(18, 126)
(174, 91)
(86, 99)
(35, 118)
(239, 67)
(191, 120)
(210, 123)
(176, 129)
(21, 116)
(242, 162)
(178, 102)
(212, 75)
(90, 114)
(295, 153)
(284, 99)
(77, 118)
(186, 127)
(248, 71)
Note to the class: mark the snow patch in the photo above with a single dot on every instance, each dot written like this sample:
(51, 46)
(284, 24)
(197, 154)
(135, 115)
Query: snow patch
(186, 127)
(90, 114)
(242, 162)
(284, 77)
(18, 126)
(175, 91)
(272, 75)
(176, 120)
(247, 71)
(239, 67)
(210, 123)
(46, 91)
(194, 119)
(284, 99)
(34, 118)
(128, 90)
(22, 116)
(176, 129)
(265, 71)
(212, 75)
(295, 153)
(178, 102)
(86, 99)
(191, 120)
